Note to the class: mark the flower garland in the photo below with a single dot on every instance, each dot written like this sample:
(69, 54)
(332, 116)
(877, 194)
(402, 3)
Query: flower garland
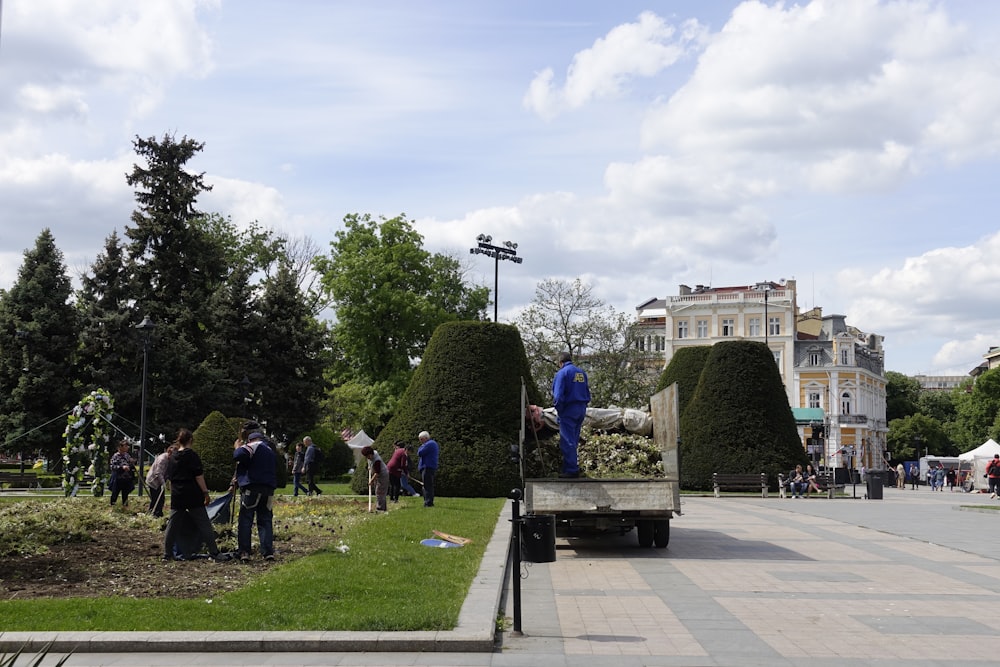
(89, 418)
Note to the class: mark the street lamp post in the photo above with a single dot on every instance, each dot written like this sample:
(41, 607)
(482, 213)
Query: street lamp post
(766, 288)
(509, 252)
(146, 327)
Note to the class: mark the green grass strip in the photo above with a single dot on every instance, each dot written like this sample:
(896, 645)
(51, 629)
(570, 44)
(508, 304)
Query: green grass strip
(385, 580)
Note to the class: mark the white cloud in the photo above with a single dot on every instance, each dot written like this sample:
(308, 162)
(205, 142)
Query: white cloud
(75, 53)
(947, 294)
(836, 95)
(640, 49)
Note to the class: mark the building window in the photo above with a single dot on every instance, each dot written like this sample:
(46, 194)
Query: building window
(814, 358)
(640, 343)
(702, 328)
(682, 329)
(814, 399)
(661, 343)
(844, 357)
(774, 326)
(777, 357)
(754, 326)
(728, 328)
(845, 403)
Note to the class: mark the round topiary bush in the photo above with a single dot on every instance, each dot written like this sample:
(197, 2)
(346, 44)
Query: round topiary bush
(213, 440)
(467, 394)
(738, 420)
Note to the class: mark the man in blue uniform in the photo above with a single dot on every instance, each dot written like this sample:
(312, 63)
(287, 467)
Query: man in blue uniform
(571, 392)
(256, 478)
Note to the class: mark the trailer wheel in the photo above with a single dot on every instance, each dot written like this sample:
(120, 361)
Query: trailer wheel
(661, 533)
(645, 531)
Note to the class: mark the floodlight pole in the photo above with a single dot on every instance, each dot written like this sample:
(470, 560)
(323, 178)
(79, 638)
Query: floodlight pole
(509, 252)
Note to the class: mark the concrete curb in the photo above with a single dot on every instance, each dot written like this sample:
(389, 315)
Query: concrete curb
(475, 632)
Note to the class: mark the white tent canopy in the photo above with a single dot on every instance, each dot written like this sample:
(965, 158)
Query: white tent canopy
(983, 451)
(360, 440)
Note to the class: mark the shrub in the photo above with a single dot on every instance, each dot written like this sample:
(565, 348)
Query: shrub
(685, 369)
(738, 420)
(467, 394)
(213, 440)
(337, 456)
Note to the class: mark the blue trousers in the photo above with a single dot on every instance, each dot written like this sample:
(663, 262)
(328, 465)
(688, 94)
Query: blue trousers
(297, 483)
(255, 503)
(569, 438)
(428, 477)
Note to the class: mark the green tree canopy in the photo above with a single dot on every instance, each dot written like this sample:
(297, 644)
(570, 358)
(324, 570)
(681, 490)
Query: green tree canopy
(738, 420)
(977, 410)
(902, 395)
(389, 295)
(38, 340)
(909, 437)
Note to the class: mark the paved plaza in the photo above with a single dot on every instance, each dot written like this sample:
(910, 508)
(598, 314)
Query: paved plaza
(913, 578)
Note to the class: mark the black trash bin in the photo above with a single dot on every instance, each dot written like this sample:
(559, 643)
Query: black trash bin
(538, 538)
(874, 479)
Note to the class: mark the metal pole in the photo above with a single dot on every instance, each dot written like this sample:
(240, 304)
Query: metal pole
(767, 324)
(496, 285)
(515, 552)
(142, 410)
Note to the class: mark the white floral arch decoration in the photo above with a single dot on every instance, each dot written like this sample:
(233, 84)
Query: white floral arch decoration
(88, 431)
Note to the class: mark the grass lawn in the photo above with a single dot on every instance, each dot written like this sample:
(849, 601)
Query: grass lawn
(383, 580)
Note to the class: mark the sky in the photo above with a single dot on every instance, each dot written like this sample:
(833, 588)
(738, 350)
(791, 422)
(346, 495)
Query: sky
(851, 145)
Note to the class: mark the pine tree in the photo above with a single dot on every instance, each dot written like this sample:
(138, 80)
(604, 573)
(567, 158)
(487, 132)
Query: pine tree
(110, 346)
(177, 269)
(38, 339)
(286, 370)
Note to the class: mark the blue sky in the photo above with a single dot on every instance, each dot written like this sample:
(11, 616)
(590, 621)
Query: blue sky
(849, 144)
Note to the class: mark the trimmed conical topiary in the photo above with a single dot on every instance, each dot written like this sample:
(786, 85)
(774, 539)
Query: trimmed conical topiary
(738, 420)
(213, 440)
(685, 369)
(467, 394)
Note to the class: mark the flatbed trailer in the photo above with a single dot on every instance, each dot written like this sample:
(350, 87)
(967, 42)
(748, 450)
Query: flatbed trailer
(646, 504)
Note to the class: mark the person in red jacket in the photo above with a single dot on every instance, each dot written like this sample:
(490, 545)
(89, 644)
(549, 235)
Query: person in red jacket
(399, 469)
(993, 472)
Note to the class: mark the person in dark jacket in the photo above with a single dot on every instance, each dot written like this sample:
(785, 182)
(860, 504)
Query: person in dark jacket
(571, 393)
(188, 495)
(312, 465)
(427, 455)
(122, 474)
(256, 478)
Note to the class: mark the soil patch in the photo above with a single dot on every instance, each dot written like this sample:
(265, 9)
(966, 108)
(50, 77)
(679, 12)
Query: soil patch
(126, 562)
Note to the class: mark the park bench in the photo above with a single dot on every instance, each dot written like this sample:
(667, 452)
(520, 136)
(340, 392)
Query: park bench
(18, 480)
(740, 482)
(825, 481)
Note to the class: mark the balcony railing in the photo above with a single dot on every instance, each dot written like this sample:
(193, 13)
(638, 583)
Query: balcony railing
(852, 419)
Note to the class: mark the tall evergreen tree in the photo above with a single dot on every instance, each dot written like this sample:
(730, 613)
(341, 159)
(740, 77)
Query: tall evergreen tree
(176, 269)
(110, 347)
(287, 366)
(38, 339)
